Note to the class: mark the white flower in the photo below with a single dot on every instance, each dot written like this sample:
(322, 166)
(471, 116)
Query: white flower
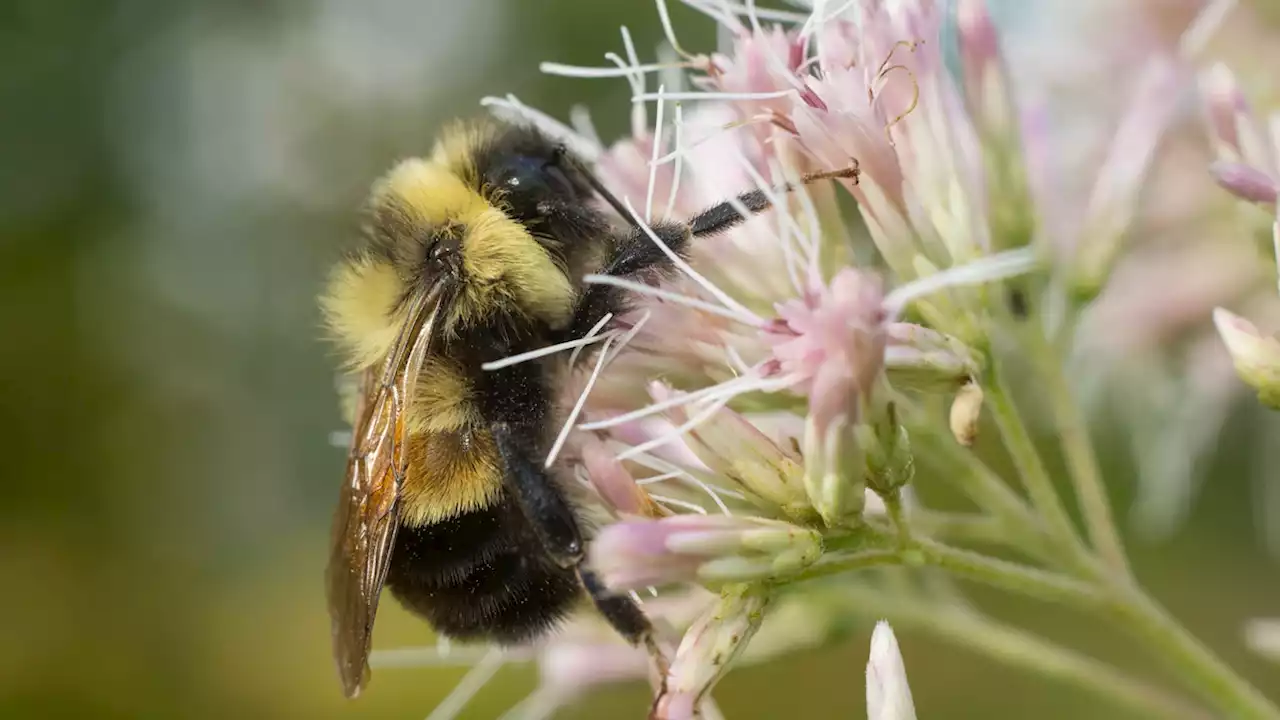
(888, 695)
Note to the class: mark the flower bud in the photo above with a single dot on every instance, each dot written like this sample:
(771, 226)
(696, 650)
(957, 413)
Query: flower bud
(1256, 357)
(1263, 637)
(1244, 181)
(985, 83)
(918, 358)
(1226, 107)
(888, 694)
(709, 647)
(713, 549)
(887, 449)
(834, 471)
(733, 447)
(1114, 198)
(614, 483)
(966, 410)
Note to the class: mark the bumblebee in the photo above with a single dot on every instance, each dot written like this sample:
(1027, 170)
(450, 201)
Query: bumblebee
(471, 255)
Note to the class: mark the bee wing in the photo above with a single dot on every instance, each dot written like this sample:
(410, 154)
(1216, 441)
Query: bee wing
(364, 526)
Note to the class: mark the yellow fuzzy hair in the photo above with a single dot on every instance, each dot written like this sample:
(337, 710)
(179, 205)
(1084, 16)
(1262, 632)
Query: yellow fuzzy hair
(442, 399)
(456, 148)
(357, 309)
(449, 473)
(504, 265)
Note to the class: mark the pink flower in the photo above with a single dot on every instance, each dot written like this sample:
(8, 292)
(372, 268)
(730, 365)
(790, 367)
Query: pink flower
(832, 343)
(1245, 181)
(639, 553)
(1256, 356)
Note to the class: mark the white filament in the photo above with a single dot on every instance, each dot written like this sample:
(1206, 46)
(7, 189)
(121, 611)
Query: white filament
(697, 277)
(470, 684)
(643, 289)
(581, 71)
(995, 267)
(693, 95)
(679, 503)
(577, 407)
(653, 165)
(679, 168)
(573, 358)
(548, 350)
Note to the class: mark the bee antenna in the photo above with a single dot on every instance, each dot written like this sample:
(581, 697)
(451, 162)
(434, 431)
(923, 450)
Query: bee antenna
(723, 216)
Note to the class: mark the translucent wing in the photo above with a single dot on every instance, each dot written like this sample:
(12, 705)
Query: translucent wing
(364, 526)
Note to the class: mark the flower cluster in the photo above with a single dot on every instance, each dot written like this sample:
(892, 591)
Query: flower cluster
(756, 420)
(1248, 166)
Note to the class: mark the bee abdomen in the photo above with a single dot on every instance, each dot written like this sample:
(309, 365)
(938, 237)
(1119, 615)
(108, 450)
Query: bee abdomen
(481, 575)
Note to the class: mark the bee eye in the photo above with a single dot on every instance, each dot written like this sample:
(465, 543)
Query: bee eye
(526, 181)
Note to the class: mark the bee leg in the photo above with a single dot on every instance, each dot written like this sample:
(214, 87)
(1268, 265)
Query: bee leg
(634, 253)
(625, 616)
(725, 216)
(513, 401)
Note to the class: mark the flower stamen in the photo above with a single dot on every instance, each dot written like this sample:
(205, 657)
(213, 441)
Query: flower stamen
(709, 95)
(675, 401)
(653, 165)
(679, 159)
(984, 270)
(663, 499)
(573, 357)
(624, 70)
(694, 275)
(712, 408)
(629, 335)
(576, 345)
(569, 422)
(472, 683)
(643, 289)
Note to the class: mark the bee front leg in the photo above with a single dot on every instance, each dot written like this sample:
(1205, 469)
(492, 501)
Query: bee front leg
(634, 254)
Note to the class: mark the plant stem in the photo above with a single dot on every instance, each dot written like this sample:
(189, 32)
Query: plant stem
(1010, 576)
(1032, 471)
(1196, 664)
(1082, 461)
(871, 547)
(1017, 648)
(841, 562)
(893, 504)
(951, 527)
(987, 490)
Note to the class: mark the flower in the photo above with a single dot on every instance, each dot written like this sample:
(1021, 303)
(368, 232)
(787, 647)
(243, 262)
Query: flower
(714, 549)
(831, 343)
(1256, 356)
(1248, 162)
(709, 648)
(888, 695)
(742, 406)
(1263, 637)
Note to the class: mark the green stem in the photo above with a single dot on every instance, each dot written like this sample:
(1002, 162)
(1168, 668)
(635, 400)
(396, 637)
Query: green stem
(872, 548)
(1196, 664)
(893, 504)
(1082, 462)
(1009, 576)
(1019, 649)
(841, 562)
(1031, 469)
(961, 528)
(987, 490)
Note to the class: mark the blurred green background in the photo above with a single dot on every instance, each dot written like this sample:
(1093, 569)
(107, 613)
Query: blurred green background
(175, 178)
